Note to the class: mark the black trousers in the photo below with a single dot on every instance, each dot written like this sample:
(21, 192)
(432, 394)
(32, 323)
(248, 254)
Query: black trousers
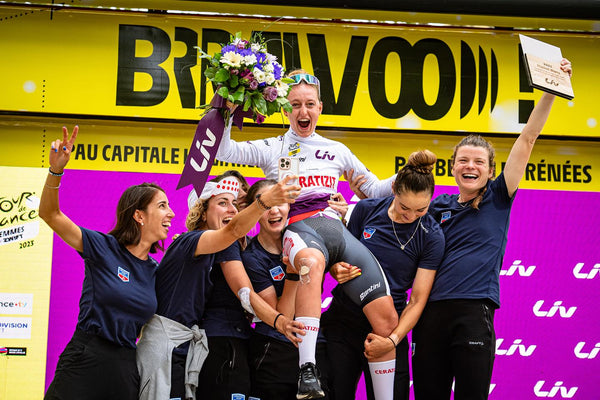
(274, 368)
(454, 340)
(346, 334)
(93, 368)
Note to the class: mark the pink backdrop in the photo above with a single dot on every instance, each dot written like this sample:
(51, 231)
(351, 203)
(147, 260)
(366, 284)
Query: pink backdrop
(548, 328)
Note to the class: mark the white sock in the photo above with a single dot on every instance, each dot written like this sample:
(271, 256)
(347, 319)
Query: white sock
(382, 375)
(308, 346)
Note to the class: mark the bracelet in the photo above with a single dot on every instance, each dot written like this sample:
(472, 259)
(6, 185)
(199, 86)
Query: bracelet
(52, 187)
(275, 321)
(292, 276)
(395, 345)
(55, 173)
(261, 203)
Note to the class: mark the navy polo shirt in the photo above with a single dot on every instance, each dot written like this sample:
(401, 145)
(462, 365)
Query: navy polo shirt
(264, 270)
(370, 223)
(182, 282)
(118, 295)
(224, 315)
(475, 244)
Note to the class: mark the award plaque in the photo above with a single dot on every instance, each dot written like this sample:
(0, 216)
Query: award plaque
(542, 62)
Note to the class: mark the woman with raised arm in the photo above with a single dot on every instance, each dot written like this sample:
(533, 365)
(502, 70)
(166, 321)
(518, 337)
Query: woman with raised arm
(202, 290)
(455, 339)
(315, 237)
(118, 289)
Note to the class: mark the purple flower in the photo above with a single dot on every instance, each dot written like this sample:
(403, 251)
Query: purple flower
(253, 84)
(227, 48)
(234, 71)
(260, 118)
(270, 94)
(277, 70)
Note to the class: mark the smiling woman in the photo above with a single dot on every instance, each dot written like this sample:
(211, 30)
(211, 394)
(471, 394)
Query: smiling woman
(203, 293)
(118, 290)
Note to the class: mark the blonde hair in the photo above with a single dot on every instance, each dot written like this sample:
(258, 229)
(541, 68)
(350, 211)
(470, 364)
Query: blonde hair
(302, 71)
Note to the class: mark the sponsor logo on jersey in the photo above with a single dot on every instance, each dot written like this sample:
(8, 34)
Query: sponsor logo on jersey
(238, 396)
(123, 274)
(293, 149)
(324, 156)
(445, 216)
(277, 273)
(368, 233)
(327, 181)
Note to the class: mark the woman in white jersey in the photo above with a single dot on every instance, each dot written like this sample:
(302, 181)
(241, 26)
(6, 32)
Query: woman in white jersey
(315, 237)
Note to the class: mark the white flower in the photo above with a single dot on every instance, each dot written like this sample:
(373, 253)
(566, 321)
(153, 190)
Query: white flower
(282, 88)
(232, 58)
(270, 78)
(249, 60)
(270, 58)
(255, 47)
(259, 75)
(268, 68)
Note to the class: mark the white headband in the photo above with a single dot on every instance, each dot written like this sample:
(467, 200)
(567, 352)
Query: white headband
(229, 184)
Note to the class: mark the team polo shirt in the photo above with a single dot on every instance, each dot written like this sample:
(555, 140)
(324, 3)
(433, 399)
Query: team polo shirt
(224, 315)
(117, 297)
(264, 270)
(475, 244)
(370, 223)
(182, 281)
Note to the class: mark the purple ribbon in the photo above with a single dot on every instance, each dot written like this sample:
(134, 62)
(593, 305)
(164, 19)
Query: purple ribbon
(205, 144)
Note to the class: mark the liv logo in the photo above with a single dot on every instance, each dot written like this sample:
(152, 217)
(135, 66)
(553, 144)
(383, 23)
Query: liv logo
(520, 269)
(565, 393)
(557, 307)
(579, 353)
(324, 156)
(210, 142)
(523, 350)
(577, 271)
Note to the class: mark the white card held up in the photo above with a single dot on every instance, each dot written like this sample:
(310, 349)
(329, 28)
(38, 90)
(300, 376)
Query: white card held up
(543, 67)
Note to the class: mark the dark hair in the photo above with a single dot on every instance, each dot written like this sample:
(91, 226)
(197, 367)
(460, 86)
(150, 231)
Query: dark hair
(127, 231)
(251, 196)
(477, 141)
(416, 176)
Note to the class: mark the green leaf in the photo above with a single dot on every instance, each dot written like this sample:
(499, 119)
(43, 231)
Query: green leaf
(287, 107)
(260, 104)
(222, 75)
(247, 103)
(223, 92)
(234, 81)
(210, 73)
(238, 96)
(272, 108)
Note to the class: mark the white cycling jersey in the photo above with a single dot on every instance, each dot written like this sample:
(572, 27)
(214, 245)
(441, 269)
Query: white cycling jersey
(322, 162)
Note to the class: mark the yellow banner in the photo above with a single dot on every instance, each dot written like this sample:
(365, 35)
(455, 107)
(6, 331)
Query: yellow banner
(372, 76)
(26, 254)
(161, 148)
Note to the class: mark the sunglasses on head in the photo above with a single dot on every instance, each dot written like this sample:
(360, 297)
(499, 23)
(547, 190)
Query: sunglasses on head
(306, 78)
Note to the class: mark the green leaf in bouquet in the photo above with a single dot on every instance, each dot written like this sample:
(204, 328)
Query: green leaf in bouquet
(222, 75)
(234, 81)
(287, 80)
(223, 92)
(260, 104)
(272, 108)
(247, 103)
(210, 73)
(238, 96)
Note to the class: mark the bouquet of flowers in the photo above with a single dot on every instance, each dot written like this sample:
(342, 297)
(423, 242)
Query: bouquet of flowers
(248, 76)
